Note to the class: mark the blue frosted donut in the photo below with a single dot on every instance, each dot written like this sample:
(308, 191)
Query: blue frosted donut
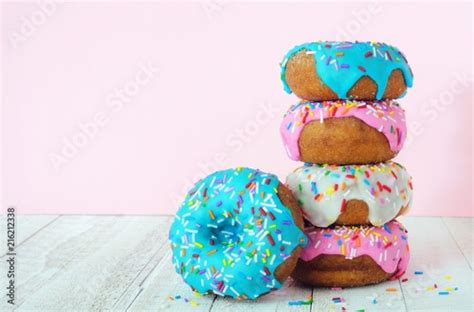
(232, 233)
(327, 70)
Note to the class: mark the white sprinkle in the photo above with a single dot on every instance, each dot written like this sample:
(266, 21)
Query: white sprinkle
(212, 181)
(234, 291)
(390, 117)
(272, 260)
(317, 243)
(261, 233)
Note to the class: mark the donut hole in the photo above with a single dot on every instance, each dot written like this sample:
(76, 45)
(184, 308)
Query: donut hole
(227, 232)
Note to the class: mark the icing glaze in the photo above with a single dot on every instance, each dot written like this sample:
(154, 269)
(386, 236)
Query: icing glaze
(232, 232)
(323, 190)
(341, 64)
(386, 245)
(385, 116)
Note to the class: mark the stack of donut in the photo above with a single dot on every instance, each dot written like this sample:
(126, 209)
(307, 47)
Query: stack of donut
(240, 232)
(346, 129)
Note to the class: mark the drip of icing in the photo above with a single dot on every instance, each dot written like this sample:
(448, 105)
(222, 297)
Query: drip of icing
(385, 116)
(341, 64)
(323, 190)
(232, 232)
(387, 245)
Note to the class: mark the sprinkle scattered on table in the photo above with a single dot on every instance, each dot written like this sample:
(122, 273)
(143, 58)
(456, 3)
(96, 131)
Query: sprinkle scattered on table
(338, 300)
(423, 285)
(301, 302)
(187, 300)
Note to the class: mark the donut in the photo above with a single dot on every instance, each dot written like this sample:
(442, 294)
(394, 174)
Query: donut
(320, 71)
(238, 233)
(353, 255)
(344, 131)
(351, 195)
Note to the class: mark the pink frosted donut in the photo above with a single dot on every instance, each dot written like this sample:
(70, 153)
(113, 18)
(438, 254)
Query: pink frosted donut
(387, 247)
(344, 131)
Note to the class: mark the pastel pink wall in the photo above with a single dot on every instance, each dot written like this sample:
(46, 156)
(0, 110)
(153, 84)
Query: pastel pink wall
(118, 107)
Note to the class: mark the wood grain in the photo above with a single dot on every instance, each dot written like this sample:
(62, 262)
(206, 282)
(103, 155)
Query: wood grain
(120, 263)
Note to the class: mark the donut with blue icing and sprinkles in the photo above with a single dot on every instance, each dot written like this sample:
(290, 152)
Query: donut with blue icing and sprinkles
(238, 233)
(327, 70)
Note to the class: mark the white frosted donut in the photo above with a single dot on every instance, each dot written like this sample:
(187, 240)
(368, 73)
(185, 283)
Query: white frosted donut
(323, 190)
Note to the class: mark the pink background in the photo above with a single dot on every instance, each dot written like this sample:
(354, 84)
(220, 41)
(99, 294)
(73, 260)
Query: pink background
(89, 126)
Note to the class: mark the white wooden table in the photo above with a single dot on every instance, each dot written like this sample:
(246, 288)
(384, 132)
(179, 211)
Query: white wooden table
(123, 263)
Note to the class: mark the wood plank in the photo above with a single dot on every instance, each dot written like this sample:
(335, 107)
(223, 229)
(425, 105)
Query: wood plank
(274, 301)
(162, 290)
(462, 230)
(26, 226)
(86, 262)
(437, 258)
